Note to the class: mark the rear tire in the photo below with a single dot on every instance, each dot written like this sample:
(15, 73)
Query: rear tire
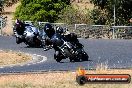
(37, 42)
(31, 45)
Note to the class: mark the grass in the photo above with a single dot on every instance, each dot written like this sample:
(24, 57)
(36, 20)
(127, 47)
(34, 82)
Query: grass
(11, 58)
(58, 80)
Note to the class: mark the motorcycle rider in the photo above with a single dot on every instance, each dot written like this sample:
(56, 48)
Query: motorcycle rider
(71, 37)
(19, 29)
(49, 32)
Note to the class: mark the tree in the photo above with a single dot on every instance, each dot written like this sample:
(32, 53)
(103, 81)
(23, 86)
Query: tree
(99, 17)
(123, 9)
(1, 5)
(70, 15)
(40, 10)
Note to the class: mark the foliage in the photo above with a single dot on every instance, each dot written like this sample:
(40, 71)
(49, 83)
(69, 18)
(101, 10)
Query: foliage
(123, 10)
(1, 6)
(99, 17)
(40, 10)
(71, 15)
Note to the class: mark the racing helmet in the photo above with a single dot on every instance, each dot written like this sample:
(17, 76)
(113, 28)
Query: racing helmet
(59, 30)
(18, 23)
(49, 30)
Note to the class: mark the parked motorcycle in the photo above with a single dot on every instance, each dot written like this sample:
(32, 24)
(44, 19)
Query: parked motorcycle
(65, 49)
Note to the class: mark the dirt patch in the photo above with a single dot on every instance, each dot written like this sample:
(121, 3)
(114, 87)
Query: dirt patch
(57, 80)
(11, 58)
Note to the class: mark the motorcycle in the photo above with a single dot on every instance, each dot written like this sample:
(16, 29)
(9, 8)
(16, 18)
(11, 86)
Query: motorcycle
(65, 49)
(30, 36)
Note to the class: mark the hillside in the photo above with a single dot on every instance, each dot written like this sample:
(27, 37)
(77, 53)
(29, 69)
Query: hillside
(9, 10)
(82, 4)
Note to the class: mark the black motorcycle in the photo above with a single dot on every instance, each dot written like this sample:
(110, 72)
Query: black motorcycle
(65, 49)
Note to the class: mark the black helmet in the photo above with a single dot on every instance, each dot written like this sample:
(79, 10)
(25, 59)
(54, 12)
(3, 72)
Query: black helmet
(49, 30)
(59, 30)
(18, 22)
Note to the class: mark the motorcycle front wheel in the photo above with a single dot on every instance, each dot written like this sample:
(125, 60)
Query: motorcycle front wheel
(18, 40)
(58, 56)
(84, 56)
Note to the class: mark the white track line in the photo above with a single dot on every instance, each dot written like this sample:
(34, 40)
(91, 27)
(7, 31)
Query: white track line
(34, 57)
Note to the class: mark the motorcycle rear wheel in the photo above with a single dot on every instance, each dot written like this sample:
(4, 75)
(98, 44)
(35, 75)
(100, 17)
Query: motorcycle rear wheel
(36, 43)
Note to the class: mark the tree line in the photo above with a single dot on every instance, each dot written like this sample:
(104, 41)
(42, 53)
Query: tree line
(63, 11)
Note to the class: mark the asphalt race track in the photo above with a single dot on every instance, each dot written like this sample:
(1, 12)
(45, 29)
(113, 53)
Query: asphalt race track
(111, 53)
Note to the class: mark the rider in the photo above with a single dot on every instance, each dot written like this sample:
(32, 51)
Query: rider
(71, 37)
(49, 32)
(19, 28)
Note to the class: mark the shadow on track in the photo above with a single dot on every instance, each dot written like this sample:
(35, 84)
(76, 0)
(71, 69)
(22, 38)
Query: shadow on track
(75, 61)
(33, 47)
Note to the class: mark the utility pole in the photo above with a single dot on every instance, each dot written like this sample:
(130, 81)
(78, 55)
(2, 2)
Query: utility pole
(114, 13)
(114, 19)
(0, 25)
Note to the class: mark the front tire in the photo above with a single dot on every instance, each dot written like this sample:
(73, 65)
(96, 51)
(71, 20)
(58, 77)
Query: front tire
(85, 56)
(18, 40)
(58, 56)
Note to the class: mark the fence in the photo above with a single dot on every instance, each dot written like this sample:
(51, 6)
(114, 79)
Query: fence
(122, 32)
(2, 23)
(89, 31)
(92, 31)
(103, 31)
